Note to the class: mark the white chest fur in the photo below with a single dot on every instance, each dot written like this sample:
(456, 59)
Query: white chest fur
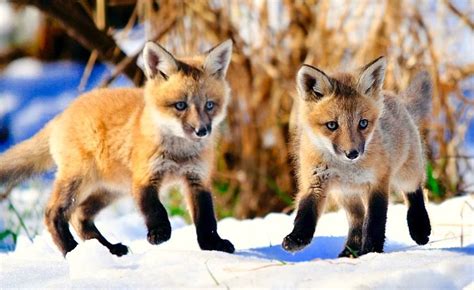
(180, 157)
(350, 179)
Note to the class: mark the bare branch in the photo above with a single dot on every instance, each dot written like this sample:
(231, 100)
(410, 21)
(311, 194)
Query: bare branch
(458, 13)
(129, 61)
(80, 26)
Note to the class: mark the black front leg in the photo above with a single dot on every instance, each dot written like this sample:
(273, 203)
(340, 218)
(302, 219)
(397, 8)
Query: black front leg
(417, 217)
(304, 225)
(156, 217)
(310, 207)
(373, 236)
(204, 218)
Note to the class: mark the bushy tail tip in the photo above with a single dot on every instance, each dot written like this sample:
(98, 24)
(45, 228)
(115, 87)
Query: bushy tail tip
(25, 160)
(418, 96)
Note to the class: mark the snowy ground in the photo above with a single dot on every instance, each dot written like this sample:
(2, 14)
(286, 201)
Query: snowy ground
(446, 263)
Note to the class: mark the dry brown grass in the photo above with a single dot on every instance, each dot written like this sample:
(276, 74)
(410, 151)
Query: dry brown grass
(254, 171)
(273, 38)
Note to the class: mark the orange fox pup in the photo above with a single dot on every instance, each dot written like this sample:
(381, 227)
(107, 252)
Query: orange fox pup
(110, 142)
(358, 143)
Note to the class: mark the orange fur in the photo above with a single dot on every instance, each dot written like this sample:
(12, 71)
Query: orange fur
(110, 142)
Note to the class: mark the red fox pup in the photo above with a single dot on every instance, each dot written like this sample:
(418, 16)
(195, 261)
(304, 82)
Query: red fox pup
(112, 141)
(360, 143)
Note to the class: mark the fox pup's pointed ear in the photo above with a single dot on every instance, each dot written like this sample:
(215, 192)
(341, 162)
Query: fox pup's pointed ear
(218, 59)
(372, 76)
(312, 83)
(158, 61)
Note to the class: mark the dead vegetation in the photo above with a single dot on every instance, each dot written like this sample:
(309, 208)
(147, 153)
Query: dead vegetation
(273, 38)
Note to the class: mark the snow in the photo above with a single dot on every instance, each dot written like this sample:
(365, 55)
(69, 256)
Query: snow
(9, 103)
(131, 41)
(6, 18)
(259, 261)
(24, 68)
(38, 108)
(33, 92)
(17, 26)
(446, 263)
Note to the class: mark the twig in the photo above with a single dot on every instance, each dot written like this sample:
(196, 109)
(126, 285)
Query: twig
(263, 267)
(458, 13)
(88, 70)
(8, 190)
(80, 26)
(468, 206)
(210, 273)
(125, 63)
(455, 157)
(453, 225)
(432, 242)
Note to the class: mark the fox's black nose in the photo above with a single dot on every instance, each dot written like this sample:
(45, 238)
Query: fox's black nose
(203, 131)
(353, 154)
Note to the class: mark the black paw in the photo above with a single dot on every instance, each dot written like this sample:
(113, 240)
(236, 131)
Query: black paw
(119, 249)
(68, 247)
(419, 225)
(349, 253)
(216, 244)
(370, 249)
(224, 246)
(159, 235)
(292, 243)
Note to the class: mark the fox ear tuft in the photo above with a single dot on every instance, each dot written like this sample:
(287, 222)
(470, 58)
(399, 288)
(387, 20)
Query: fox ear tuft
(312, 83)
(372, 76)
(158, 61)
(218, 59)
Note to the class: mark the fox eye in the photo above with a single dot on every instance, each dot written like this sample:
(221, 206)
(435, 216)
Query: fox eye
(363, 124)
(180, 106)
(210, 105)
(332, 125)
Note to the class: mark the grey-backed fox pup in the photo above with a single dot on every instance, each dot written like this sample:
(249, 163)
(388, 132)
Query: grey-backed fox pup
(114, 141)
(359, 142)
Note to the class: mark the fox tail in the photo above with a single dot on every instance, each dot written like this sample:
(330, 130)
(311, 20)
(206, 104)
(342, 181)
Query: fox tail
(26, 159)
(417, 96)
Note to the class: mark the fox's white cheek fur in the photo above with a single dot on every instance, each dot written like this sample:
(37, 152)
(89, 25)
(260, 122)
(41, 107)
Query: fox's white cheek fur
(319, 141)
(168, 125)
(367, 142)
(219, 118)
(223, 113)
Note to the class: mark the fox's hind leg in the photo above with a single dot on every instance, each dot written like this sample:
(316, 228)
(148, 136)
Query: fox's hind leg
(417, 217)
(355, 212)
(83, 220)
(59, 210)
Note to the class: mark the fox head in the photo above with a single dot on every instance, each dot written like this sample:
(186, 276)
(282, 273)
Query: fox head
(187, 97)
(339, 112)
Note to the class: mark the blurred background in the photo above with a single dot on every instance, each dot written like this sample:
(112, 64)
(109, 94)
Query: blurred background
(52, 51)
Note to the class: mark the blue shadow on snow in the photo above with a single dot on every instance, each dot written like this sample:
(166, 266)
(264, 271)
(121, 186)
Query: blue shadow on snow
(321, 248)
(468, 250)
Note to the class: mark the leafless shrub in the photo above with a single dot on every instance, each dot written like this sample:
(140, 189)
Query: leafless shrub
(274, 37)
